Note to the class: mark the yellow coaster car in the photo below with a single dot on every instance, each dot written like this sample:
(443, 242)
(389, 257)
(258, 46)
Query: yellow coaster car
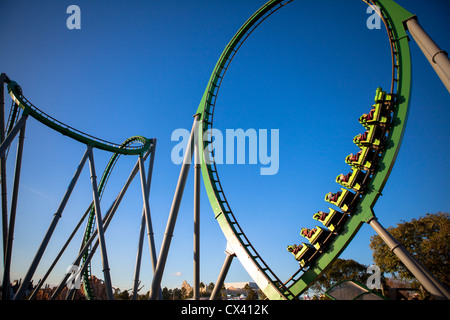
(303, 253)
(332, 219)
(341, 199)
(364, 159)
(353, 180)
(316, 236)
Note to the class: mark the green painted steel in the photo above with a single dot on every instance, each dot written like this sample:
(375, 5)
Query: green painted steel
(15, 92)
(393, 15)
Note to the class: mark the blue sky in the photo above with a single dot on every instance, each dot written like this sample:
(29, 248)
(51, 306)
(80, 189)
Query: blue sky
(140, 68)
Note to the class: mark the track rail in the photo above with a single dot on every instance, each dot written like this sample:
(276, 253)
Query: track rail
(15, 92)
(363, 202)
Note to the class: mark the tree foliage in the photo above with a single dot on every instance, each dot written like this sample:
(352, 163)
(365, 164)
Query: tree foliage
(425, 238)
(341, 269)
(122, 295)
(251, 294)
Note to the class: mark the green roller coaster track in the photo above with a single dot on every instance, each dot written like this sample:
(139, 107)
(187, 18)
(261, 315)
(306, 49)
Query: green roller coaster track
(128, 147)
(15, 92)
(393, 16)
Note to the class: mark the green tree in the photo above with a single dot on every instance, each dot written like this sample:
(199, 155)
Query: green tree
(425, 238)
(143, 296)
(183, 293)
(166, 293)
(177, 294)
(223, 293)
(251, 294)
(211, 287)
(341, 269)
(122, 295)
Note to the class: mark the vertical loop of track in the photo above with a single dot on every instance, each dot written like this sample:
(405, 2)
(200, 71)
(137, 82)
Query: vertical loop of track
(392, 15)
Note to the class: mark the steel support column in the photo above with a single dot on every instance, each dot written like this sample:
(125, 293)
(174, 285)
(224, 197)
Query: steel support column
(437, 57)
(223, 273)
(150, 234)
(137, 268)
(10, 137)
(108, 218)
(101, 236)
(424, 277)
(156, 283)
(12, 218)
(48, 235)
(55, 261)
(197, 174)
(3, 166)
(148, 219)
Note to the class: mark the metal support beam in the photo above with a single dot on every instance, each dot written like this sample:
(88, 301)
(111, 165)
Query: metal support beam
(3, 166)
(142, 230)
(10, 137)
(12, 218)
(148, 219)
(156, 283)
(150, 234)
(197, 174)
(101, 236)
(419, 271)
(109, 214)
(137, 268)
(437, 57)
(51, 228)
(55, 261)
(223, 273)
(108, 218)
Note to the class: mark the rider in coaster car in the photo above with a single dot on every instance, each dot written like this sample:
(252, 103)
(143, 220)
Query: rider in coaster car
(294, 248)
(308, 233)
(321, 215)
(355, 157)
(333, 196)
(345, 178)
(368, 116)
(362, 136)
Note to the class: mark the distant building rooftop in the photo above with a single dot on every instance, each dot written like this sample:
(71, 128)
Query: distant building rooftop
(240, 285)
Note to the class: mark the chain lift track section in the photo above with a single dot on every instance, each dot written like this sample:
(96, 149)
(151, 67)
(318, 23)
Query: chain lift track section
(393, 16)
